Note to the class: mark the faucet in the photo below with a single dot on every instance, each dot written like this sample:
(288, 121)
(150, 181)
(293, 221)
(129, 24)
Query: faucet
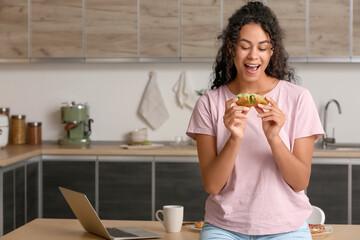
(326, 139)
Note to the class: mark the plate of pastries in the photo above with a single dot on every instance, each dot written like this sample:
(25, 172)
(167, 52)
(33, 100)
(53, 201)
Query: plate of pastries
(319, 231)
(197, 226)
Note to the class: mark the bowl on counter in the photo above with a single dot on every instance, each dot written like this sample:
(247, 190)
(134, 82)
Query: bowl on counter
(138, 135)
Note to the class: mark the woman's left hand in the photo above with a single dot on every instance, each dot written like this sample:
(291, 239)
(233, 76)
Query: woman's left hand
(273, 119)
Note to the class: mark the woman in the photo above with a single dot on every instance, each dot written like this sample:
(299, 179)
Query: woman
(255, 162)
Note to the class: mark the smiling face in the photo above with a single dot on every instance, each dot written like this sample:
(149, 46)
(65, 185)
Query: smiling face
(253, 53)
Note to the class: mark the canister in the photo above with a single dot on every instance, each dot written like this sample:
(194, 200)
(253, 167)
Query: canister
(18, 129)
(5, 111)
(4, 130)
(34, 133)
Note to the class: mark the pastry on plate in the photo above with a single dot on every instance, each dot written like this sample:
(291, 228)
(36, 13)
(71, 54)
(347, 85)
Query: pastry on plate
(199, 224)
(317, 228)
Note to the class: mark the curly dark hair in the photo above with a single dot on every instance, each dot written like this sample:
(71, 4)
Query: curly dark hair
(224, 70)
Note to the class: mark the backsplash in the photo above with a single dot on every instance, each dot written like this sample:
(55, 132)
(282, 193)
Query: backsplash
(114, 91)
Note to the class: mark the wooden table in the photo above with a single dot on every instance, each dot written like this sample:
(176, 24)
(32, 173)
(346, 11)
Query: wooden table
(70, 229)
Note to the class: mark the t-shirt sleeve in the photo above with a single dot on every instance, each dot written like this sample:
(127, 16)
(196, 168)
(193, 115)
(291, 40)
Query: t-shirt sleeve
(308, 120)
(201, 121)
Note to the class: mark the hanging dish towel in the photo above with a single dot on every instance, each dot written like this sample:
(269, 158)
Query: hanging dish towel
(184, 93)
(152, 106)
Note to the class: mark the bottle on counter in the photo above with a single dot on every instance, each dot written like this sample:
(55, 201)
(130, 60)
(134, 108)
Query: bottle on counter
(18, 129)
(34, 133)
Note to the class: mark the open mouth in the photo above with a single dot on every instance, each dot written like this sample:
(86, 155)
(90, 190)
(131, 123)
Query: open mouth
(252, 68)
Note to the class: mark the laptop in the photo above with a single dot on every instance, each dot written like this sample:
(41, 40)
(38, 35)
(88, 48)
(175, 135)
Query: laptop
(91, 222)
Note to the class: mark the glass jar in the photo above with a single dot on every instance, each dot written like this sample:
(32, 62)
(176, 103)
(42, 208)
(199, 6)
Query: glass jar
(18, 129)
(34, 133)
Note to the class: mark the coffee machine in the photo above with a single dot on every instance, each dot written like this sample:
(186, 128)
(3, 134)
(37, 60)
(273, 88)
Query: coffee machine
(77, 125)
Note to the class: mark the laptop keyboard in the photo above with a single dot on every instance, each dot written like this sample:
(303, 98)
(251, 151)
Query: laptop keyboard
(115, 232)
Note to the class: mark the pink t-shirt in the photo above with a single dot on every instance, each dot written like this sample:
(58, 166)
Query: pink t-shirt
(256, 200)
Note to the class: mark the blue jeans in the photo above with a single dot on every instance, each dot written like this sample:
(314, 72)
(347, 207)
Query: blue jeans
(210, 232)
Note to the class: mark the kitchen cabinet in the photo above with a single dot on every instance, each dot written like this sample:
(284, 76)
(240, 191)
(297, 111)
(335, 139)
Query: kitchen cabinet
(178, 182)
(329, 28)
(200, 25)
(74, 172)
(13, 198)
(19, 194)
(8, 201)
(32, 189)
(14, 29)
(56, 29)
(19, 174)
(292, 19)
(229, 8)
(159, 28)
(147, 29)
(356, 28)
(328, 189)
(125, 187)
(111, 28)
(355, 190)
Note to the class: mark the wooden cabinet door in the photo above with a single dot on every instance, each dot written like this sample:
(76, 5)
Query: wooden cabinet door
(200, 26)
(74, 175)
(14, 29)
(229, 8)
(179, 183)
(159, 28)
(111, 28)
(328, 189)
(125, 190)
(329, 28)
(56, 29)
(292, 18)
(356, 28)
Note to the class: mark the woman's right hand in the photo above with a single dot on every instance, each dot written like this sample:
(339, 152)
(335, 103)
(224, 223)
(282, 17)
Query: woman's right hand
(235, 118)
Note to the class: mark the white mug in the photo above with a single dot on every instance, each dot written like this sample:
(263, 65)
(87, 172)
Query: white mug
(173, 217)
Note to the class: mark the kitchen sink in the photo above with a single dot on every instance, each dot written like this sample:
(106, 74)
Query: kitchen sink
(343, 146)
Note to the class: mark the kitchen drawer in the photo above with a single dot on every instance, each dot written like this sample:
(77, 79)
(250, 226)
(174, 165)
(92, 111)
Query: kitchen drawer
(180, 183)
(70, 172)
(328, 189)
(125, 189)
